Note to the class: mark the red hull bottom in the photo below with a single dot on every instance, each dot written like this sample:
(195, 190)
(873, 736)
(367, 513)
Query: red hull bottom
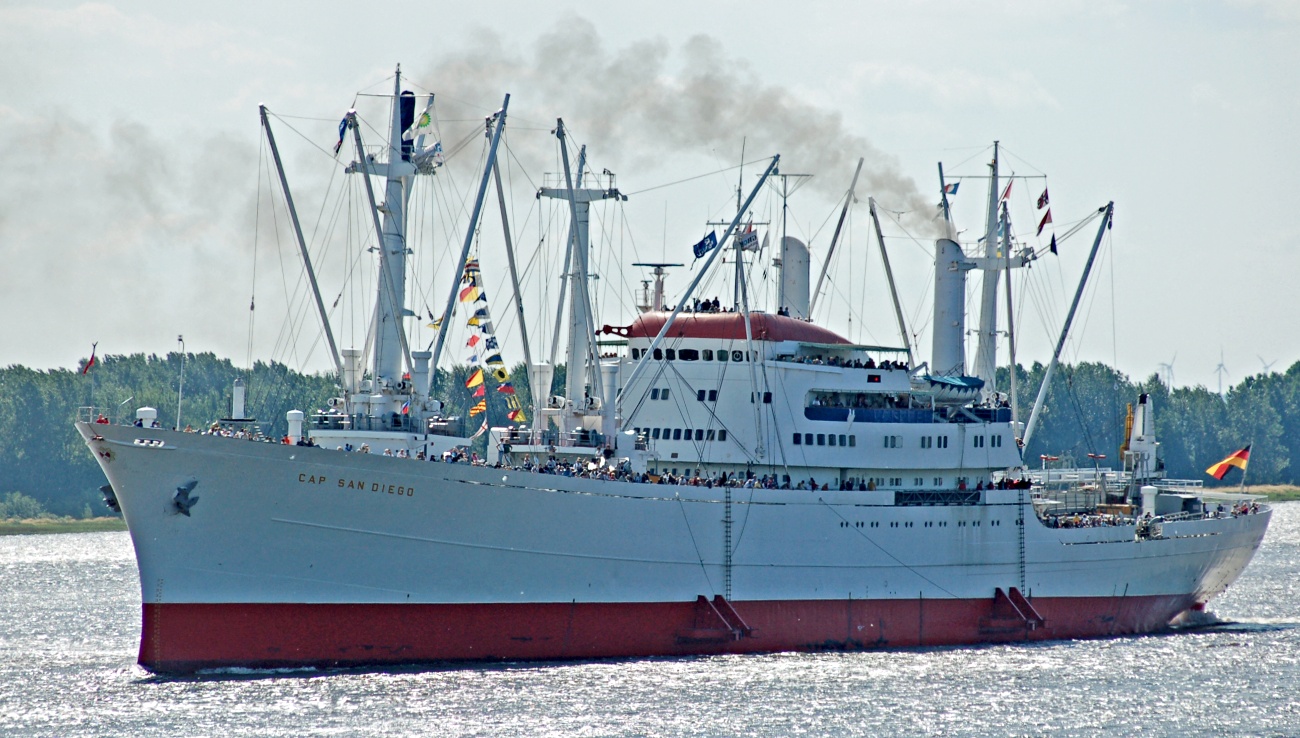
(189, 637)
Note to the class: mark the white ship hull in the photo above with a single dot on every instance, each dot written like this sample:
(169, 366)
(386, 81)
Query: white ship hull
(286, 543)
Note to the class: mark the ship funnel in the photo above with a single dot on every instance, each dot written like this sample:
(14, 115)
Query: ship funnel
(295, 425)
(540, 376)
(420, 375)
(237, 400)
(351, 368)
(794, 277)
(948, 357)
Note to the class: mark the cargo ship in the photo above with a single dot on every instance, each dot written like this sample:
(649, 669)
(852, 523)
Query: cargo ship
(709, 479)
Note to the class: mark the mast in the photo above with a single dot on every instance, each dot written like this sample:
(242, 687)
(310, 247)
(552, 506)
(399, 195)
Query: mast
(302, 246)
(1011, 316)
(582, 376)
(986, 350)
(390, 338)
(1065, 330)
(849, 198)
(500, 118)
(390, 347)
(889, 277)
(568, 258)
(514, 270)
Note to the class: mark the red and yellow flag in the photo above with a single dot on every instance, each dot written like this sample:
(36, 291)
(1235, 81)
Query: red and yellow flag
(479, 408)
(475, 378)
(1237, 459)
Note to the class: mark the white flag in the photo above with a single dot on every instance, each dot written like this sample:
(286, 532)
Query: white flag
(422, 124)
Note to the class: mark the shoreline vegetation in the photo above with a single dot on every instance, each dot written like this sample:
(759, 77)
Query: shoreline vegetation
(53, 524)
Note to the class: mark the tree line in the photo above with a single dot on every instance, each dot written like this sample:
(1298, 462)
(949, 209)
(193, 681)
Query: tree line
(44, 462)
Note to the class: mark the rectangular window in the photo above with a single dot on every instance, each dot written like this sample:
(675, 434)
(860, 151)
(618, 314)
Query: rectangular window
(926, 441)
(655, 434)
(832, 439)
(709, 437)
(699, 434)
(938, 481)
(979, 441)
(918, 481)
(722, 435)
(737, 356)
(689, 355)
(891, 441)
(664, 395)
(821, 439)
(713, 395)
(873, 379)
(842, 440)
(943, 441)
(668, 432)
(688, 434)
(699, 395)
(853, 440)
(654, 393)
(708, 354)
(722, 355)
(798, 439)
(807, 439)
(677, 434)
(767, 397)
(636, 353)
(659, 354)
(671, 354)
(995, 441)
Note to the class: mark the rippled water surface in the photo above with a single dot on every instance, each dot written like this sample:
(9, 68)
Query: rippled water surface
(70, 626)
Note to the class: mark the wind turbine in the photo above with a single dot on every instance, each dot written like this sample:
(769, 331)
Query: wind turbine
(1267, 364)
(1221, 370)
(1169, 371)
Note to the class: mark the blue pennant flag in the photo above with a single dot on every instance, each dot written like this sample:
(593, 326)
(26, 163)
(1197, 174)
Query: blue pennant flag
(707, 244)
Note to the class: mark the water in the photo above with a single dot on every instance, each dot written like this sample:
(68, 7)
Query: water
(69, 630)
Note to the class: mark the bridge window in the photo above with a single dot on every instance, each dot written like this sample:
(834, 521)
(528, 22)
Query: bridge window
(821, 439)
(677, 434)
(832, 438)
(941, 441)
(689, 355)
(654, 393)
(713, 395)
(655, 434)
(708, 354)
(722, 354)
(853, 441)
(927, 442)
(663, 395)
(737, 356)
(709, 436)
(659, 354)
(798, 439)
(636, 353)
(995, 441)
(722, 435)
(699, 395)
(891, 441)
(979, 441)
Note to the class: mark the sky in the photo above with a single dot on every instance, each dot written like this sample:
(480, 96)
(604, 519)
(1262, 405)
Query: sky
(132, 186)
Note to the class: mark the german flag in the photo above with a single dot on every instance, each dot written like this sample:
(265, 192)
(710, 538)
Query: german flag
(1237, 459)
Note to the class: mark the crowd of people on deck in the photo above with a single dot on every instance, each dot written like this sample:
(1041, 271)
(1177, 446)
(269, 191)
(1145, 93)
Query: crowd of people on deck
(854, 363)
